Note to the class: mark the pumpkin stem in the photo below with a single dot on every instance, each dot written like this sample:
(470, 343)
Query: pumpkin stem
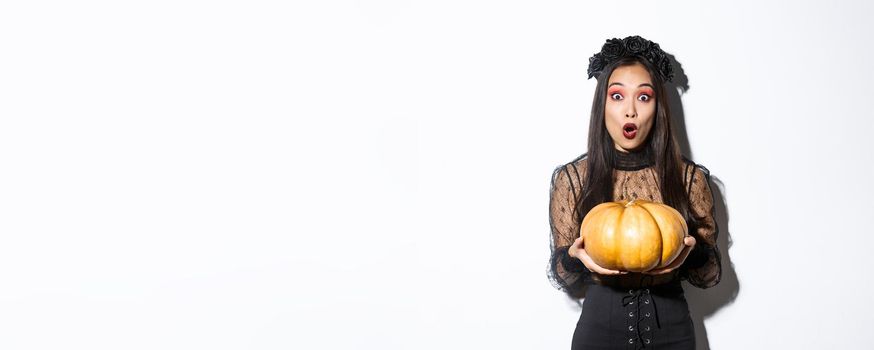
(630, 203)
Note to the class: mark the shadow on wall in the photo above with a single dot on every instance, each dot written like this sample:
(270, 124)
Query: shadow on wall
(704, 302)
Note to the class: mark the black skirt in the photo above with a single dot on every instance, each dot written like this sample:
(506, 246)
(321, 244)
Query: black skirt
(656, 317)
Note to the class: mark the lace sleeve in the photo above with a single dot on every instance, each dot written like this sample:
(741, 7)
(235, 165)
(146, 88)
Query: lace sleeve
(566, 273)
(703, 267)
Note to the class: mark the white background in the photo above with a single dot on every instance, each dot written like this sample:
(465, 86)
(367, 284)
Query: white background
(374, 174)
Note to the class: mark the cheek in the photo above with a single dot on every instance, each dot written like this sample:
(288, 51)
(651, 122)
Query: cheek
(648, 111)
(647, 127)
(646, 107)
(612, 123)
(613, 114)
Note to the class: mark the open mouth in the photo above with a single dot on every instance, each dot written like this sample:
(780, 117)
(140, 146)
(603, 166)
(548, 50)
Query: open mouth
(629, 130)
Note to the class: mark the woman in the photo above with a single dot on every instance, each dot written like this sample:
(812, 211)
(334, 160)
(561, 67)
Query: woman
(632, 153)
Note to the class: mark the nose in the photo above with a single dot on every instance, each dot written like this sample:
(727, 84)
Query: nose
(631, 112)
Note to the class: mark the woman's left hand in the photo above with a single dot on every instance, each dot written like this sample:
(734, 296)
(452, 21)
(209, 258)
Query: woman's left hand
(689, 243)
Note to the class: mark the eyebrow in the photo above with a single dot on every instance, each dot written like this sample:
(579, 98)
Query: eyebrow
(641, 85)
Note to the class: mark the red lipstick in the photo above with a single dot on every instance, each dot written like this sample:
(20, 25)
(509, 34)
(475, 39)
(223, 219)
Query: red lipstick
(629, 130)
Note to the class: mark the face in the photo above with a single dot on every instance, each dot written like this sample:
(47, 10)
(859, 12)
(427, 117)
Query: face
(630, 108)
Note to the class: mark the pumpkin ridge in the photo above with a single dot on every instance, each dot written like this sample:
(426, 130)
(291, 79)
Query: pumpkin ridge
(674, 228)
(652, 215)
(616, 238)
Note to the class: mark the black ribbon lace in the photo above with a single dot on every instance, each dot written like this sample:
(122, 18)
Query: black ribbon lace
(641, 310)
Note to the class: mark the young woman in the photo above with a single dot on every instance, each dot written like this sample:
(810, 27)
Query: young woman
(632, 153)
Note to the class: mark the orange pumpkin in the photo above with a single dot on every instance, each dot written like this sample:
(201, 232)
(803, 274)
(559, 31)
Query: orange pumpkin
(634, 236)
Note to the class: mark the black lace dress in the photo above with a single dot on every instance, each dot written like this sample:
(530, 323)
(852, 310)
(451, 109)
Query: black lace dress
(632, 311)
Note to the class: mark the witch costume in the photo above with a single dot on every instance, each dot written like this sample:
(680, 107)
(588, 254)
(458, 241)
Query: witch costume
(633, 310)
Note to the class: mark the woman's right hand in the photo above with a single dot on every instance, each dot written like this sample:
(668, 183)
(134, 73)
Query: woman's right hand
(578, 251)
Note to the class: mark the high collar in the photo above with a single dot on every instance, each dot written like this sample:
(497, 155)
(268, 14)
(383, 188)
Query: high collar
(632, 160)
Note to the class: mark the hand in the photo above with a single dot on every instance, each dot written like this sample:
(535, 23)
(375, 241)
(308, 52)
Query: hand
(576, 250)
(689, 243)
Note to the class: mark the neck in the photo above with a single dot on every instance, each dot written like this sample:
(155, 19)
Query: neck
(632, 160)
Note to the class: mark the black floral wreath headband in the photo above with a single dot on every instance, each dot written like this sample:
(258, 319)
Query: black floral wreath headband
(615, 49)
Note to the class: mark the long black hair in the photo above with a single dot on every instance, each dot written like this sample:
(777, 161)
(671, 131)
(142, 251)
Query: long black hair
(660, 144)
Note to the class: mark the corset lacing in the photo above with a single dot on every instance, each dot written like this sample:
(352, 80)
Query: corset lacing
(641, 310)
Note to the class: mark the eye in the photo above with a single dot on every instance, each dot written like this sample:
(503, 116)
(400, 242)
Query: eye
(644, 97)
(616, 96)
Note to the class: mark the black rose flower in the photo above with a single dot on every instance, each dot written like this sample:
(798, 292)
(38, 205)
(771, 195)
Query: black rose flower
(613, 49)
(655, 58)
(636, 44)
(596, 65)
(666, 69)
(654, 54)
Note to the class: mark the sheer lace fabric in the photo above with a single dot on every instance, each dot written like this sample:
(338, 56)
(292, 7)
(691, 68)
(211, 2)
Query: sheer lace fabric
(634, 177)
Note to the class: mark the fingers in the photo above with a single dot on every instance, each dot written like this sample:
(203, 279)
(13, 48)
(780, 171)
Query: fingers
(591, 265)
(689, 241)
(673, 266)
(662, 271)
(678, 261)
(574, 248)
